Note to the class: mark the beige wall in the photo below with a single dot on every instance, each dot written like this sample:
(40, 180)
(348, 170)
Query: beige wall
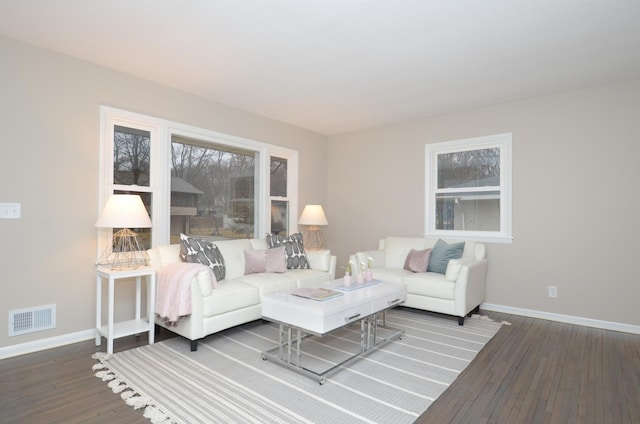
(49, 121)
(575, 183)
(575, 197)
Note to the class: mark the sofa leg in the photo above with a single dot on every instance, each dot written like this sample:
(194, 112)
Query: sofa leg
(194, 345)
(460, 320)
(475, 310)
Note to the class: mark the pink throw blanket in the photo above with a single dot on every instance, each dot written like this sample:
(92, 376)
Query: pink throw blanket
(173, 296)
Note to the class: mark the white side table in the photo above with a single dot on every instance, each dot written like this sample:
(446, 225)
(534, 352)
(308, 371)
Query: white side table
(125, 328)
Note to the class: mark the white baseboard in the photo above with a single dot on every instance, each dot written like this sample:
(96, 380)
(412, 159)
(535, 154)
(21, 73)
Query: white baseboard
(568, 319)
(80, 336)
(51, 342)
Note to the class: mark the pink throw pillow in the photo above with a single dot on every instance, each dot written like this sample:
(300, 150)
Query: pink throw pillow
(417, 260)
(269, 260)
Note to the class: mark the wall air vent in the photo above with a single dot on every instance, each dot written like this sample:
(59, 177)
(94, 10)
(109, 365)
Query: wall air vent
(29, 320)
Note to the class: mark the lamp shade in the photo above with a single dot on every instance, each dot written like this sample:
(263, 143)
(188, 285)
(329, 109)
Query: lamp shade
(124, 211)
(313, 215)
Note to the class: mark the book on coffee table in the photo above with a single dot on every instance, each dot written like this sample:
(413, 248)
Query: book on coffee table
(316, 293)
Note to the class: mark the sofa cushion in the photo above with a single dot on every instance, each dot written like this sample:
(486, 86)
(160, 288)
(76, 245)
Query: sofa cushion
(319, 259)
(230, 296)
(294, 249)
(233, 253)
(269, 283)
(392, 275)
(442, 253)
(202, 251)
(430, 284)
(169, 254)
(396, 250)
(308, 277)
(259, 243)
(267, 260)
(417, 260)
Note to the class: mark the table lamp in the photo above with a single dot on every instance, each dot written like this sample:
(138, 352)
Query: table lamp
(124, 211)
(313, 216)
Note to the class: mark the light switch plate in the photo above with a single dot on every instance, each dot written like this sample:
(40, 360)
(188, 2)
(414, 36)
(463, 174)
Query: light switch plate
(10, 210)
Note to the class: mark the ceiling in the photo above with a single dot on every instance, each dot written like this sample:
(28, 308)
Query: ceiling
(335, 66)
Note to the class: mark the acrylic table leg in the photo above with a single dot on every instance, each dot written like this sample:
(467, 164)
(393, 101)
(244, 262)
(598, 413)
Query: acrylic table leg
(298, 347)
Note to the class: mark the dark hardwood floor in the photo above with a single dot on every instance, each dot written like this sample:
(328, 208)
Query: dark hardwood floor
(534, 371)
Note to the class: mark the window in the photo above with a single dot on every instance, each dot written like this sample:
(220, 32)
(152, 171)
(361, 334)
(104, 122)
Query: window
(129, 173)
(469, 188)
(196, 181)
(278, 193)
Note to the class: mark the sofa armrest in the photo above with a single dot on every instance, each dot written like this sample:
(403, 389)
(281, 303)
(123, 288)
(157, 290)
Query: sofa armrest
(470, 286)
(377, 258)
(192, 326)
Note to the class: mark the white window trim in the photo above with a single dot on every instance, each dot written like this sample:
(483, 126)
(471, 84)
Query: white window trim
(432, 150)
(159, 179)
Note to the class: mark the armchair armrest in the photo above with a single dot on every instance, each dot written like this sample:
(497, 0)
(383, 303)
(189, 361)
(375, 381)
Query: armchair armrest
(470, 286)
(377, 258)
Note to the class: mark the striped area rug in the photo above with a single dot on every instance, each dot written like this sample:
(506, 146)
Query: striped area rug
(227, 381)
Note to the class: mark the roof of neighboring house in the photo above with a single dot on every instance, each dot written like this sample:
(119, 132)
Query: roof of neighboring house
(178, 185)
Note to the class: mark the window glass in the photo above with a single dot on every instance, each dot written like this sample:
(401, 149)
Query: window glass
(469, 168)
(468, 211)
(131, 154)
(212, 190)
(278, 180)
(143, 234)
(279, 217)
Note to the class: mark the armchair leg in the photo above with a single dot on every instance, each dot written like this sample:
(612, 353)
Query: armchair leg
(460, 320)
(194, 345)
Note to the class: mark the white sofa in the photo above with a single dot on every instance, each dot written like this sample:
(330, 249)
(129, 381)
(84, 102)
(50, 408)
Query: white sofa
(238, 298)
(458, 292)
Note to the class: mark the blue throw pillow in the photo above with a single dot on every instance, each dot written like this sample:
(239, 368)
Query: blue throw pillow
(442, 253)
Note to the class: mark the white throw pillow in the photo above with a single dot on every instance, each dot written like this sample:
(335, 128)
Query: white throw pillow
(319, 259)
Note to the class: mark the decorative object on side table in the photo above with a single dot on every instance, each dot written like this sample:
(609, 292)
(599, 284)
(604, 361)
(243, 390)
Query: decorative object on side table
(313, 216)
(124, 211)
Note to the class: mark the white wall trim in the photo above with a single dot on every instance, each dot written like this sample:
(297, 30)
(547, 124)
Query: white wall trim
(80, 336)
(568, 319)
(49, 343)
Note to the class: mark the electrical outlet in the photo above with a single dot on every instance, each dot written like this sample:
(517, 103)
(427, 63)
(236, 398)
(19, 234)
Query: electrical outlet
(553, 291)
(10, 210)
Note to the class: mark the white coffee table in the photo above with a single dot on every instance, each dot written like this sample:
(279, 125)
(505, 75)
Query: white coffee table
(300, 318)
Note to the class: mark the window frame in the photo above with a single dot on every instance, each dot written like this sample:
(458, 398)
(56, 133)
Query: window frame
(161, 132)
(432, 151)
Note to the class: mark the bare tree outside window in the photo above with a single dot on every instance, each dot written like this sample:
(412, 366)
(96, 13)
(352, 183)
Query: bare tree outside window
(131, 153)
(212, 189)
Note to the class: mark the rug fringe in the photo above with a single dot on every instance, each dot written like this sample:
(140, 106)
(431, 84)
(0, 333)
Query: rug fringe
(486, 318)
(130, 396)
(156, 415)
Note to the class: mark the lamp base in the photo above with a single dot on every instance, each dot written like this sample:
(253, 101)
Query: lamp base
(126, 252)
(313, 239)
